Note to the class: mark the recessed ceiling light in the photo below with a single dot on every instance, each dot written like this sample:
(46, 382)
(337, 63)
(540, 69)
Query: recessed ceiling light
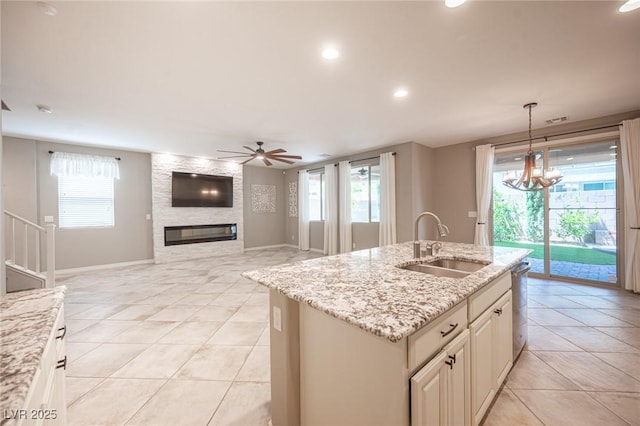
(454, 3)
(400, 93)
(47, 9)
(330, 53)
(629, 6)
(44, 108)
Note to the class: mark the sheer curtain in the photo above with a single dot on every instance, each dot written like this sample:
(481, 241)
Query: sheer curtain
(484, 186)
(82, 165)
(344, 205)
(630, 147)
(330, 210)
(387, 199)
(303, 210)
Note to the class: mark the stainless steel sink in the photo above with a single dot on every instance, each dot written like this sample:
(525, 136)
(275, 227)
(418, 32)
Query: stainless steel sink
(458, 265)
(434, 270)
(446, 267)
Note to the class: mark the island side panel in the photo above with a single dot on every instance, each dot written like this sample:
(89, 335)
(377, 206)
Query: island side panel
(285, 361)
(348, 376)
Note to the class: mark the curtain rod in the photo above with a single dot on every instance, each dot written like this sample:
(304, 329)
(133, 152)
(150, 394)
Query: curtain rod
(117, 158)
(557, 134)
(350, 161)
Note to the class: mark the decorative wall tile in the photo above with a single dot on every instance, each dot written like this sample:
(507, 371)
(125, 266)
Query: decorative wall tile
(263, 198)
(164, 215)
(293, 199)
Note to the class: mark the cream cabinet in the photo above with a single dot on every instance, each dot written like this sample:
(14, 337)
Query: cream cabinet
(45, 403)
(491, 354)
(440, 391)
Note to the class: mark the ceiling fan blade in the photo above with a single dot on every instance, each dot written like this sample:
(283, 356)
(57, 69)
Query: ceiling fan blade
(235, 156)
(280, 159)
(276, 151)
(267, 162)
(250, 149)
(295, 157)
(234, 152)
(246, 161)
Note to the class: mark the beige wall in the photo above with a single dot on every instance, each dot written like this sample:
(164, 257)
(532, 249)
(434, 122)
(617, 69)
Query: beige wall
(264, 229)
(31, 190)
(414, 171)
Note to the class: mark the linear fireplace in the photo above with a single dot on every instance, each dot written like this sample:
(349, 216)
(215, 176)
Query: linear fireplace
(191, 234)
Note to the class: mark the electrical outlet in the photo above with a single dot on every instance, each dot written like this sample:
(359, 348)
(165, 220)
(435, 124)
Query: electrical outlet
(148, 216)
(353, 245)
(293, 237)
(277, 318)
(48, 219)
(473, 214)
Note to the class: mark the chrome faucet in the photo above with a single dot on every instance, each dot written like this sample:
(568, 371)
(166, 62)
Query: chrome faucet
(442, 231)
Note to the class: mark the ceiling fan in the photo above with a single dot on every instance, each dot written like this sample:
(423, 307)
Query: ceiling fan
(263, 155)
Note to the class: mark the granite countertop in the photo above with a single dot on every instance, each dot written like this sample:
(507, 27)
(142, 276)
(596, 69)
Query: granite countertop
(367, 289)
(26, 320)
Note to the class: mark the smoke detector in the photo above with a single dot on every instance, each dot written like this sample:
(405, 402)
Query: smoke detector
(558, 120)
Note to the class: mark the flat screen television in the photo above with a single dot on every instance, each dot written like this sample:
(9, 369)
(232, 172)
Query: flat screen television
(198, 190)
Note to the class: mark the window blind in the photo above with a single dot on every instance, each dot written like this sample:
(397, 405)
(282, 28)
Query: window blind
(85, 202)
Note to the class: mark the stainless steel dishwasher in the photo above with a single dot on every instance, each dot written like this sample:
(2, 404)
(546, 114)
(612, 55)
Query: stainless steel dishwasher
(519, 294)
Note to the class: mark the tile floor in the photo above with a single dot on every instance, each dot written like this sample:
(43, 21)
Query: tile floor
(187, 343)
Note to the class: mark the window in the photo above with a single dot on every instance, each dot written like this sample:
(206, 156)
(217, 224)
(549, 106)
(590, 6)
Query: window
(85, 201)
(365, 193)
(316, 196)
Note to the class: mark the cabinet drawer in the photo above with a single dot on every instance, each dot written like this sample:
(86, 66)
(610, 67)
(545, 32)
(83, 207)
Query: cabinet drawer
(486, 296)
(429, 340)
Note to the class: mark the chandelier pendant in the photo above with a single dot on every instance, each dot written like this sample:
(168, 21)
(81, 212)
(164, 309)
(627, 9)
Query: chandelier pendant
(532, 178)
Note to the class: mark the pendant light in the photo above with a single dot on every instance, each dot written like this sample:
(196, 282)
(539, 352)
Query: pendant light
(533, 178)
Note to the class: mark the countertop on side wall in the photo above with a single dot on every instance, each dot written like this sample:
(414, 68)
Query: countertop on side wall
(367, 289)
(26, 320)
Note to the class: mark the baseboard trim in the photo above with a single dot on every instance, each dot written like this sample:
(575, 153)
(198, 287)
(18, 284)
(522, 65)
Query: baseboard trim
(316, 250)
(99, 267)
(272, 246)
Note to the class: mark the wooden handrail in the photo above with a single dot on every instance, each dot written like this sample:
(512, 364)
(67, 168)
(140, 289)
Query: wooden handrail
(23, 220)
(49, 231)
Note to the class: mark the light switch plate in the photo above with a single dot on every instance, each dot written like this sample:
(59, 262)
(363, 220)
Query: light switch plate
(148, 216)
(48, 219)
(473, 214)
(277, 318)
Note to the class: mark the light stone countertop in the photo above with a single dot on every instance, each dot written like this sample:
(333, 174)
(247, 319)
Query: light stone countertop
(26, 321)
(367, 289)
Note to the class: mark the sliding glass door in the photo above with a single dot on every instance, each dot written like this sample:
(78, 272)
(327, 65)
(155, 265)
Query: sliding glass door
(572, 226)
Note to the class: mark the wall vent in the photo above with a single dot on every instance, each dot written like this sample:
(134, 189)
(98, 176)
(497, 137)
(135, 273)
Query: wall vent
(558, 120)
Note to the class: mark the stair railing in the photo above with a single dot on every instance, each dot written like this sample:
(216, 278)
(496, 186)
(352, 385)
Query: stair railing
(48, 231)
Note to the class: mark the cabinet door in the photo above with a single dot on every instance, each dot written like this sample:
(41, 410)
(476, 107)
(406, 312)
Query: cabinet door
(459, 382)
(504, 337)
(483, 390)
(429, 393)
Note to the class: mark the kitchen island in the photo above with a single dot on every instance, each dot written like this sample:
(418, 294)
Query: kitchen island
(31, 348)
(350, 332)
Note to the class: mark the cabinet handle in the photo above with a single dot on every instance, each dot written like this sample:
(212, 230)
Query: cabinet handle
(453, 358)
(64, 332)
(446, 333)
(450, 364)
(498, 311)
(62, 363)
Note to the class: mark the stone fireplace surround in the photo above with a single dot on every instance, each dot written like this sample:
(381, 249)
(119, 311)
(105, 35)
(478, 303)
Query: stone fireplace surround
(166, 216)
